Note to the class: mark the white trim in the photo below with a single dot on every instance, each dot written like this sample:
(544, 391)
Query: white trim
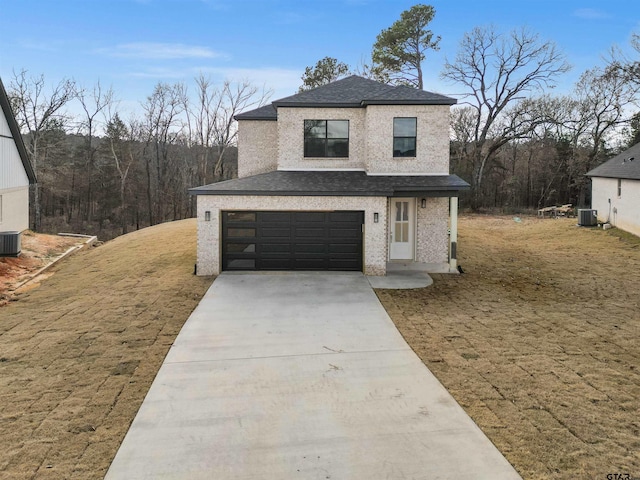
(453, 232)
(407, 174)
(322, 170)
(413, 228)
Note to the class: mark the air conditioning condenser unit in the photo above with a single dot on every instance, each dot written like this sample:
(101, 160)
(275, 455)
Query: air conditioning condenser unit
(587, 217)
(10, 245)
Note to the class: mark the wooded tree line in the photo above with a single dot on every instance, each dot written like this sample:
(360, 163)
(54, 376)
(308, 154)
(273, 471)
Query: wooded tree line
(101, 173)
(519, 146)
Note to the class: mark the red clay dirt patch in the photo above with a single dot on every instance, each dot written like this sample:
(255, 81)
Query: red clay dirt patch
(38, 250)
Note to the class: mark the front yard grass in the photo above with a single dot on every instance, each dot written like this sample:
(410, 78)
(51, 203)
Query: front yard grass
(538, 341)
(78, 353)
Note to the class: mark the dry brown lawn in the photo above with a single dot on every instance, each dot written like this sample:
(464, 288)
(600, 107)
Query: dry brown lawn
(78, 353)
(539, 341)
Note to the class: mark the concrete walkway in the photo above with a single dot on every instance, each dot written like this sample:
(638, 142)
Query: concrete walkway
(299, 375)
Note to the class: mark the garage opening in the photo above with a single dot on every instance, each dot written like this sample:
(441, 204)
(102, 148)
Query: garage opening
(287, 240)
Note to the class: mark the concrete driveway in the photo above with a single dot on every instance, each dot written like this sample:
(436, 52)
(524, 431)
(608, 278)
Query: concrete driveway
(299, 375)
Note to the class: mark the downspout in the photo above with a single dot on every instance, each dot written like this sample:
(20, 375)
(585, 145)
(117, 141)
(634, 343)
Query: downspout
(453, 234)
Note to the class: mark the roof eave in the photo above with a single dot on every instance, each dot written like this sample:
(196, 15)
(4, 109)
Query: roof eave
(262, 118)
(449, 102)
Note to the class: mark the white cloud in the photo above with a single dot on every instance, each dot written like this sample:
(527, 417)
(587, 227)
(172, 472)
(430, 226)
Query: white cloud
(590, 14)
(282, 81)
(151, 50)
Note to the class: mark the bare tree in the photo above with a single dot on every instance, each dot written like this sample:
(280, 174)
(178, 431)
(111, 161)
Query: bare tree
(498, 73)
(161, 128)
(93, 102)
(35, 109)
(601, 100)
(121, 138)
(201, 118)
(230, 100)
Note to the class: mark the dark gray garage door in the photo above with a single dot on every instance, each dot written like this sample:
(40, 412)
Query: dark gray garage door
(270, 240)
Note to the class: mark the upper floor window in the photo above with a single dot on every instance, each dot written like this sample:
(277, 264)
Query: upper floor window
(326, 138)
(404, 136)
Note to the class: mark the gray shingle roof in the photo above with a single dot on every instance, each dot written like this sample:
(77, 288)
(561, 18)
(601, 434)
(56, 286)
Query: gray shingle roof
(331, 183)
(353, 91)
(15, 133)
(624, 165)
(268, 112)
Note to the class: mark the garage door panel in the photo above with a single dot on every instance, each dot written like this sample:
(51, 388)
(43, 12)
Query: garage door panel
(240, 264)
(271, 217)
(344, 233)
(275, 264)
(344, 264)
(309, 232)
(352, 217)
(310, 264)
(301, 217)
(352, 248)
(292, 240)
(241, 247)
(266, 248)
(266, 232)
(318, 248)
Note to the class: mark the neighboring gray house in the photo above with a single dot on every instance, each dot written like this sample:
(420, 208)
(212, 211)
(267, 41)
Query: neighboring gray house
(615, 190)
(16, 172)
(348, 176)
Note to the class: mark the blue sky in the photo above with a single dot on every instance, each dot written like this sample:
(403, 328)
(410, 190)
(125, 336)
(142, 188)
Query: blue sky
(133, 44)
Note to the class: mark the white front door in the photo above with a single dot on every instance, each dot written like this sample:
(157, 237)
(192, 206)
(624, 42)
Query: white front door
(401, 228)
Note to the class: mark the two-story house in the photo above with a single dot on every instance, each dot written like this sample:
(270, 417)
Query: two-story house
(16, 172)
(348, 176)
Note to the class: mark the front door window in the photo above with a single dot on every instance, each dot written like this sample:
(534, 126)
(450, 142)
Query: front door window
(402, 228)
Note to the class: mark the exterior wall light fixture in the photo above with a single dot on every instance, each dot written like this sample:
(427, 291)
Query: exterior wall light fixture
(376, 217)
(207, 216)
(423, 203)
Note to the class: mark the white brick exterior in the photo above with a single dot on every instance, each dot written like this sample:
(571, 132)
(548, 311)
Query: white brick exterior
(209, 233)
(257, 147)
(432, 242)
(432, 149)
(370, 140)
(291, 138)
(265, 146)
(624, 211)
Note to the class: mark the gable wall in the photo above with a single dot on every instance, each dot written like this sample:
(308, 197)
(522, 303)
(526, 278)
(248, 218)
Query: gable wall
(291, 138)
(627, 215)
(12, 172)
(257, 147)
(370, 139)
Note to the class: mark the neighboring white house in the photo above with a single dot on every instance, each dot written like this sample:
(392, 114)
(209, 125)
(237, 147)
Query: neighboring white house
(16, 172)
(615, 190)
(348, 176)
